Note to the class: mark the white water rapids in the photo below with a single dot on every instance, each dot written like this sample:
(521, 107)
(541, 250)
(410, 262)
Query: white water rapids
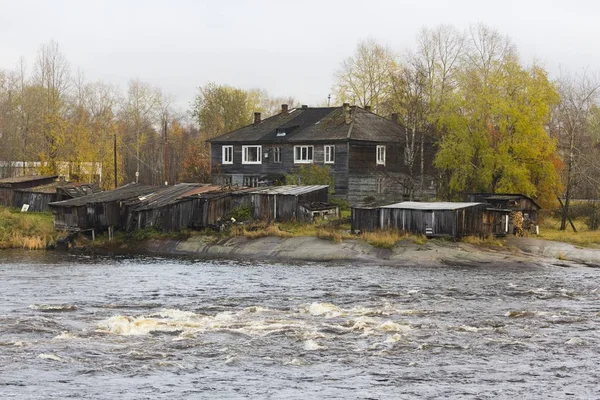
(131, 328)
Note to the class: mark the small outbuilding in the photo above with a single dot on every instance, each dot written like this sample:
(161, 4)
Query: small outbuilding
(186, 205)
(9, 185)
(516, 203)
(433, 219)
(37, 198)
(285, 203)
(166, 209)
(99, 211)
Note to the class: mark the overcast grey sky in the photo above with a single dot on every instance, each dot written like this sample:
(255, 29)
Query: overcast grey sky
(286, 47)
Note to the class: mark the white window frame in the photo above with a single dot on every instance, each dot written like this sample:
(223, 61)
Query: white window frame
(245, 154)
(380, 155)
(329, 154)
(276, 155)
(224, 151)
(307, 161)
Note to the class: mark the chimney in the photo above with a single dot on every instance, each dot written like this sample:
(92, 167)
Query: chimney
(368, 108)
(284, 109)
(256, 118)
(347, 112)
(395, 118)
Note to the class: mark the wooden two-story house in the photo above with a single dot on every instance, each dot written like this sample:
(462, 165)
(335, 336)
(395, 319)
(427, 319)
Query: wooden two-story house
(369, 156)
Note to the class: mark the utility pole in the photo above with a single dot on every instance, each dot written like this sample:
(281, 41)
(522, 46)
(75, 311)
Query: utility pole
(115, 159)
(166, 149)
(328, 99)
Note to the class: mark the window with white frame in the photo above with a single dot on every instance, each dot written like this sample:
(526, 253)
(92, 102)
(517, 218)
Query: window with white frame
(303, 154)
(227, 154)
(251, 154)
(329, 154)
(380, 155)
(250, 181)
(276, 154)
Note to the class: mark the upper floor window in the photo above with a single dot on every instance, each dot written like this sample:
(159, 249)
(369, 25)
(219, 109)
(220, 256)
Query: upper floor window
(276, 154)
(251, 154)
(227, 154)
(303, 154)
(329, 154)
(380, 155)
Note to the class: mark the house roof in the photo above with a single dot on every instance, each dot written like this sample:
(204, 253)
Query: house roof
(24, 179)
(126, 192)
(317, 124)
(434, 206)
(290, 190)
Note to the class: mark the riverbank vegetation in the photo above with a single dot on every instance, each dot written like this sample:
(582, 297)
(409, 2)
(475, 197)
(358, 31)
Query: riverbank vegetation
(31, 231)
(584, 237)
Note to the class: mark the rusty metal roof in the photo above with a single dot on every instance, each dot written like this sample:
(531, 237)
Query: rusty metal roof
(203, 189)
(164, 196)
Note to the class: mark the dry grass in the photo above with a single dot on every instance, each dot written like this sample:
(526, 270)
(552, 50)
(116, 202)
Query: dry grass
(31, 231)
(330, 234)
(550, 229)
(487, 241)
(321, 229)
(389, 237)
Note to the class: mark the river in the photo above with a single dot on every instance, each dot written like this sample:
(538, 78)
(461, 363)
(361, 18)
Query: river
(155, 328)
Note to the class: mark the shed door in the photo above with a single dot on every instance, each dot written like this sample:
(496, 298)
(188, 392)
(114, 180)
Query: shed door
(428, 222)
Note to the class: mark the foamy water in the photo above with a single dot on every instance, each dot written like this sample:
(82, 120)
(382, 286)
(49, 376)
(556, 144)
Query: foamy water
(154, 328)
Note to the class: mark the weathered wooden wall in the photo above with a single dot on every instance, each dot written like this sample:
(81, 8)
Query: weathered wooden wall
(237, 170)
(6, 196)
(474, 220)
(365, 219)
(38, 202)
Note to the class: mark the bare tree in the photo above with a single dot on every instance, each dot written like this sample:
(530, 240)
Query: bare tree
(365, 78)
(573, 125)
(52, 75)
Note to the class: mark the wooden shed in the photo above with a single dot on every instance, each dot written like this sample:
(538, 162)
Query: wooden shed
(364, 219)
(9, 185)
(37, 198)
(284, 203)
(433, 219)
(513, 202)
(158, 209)
(98, 211)
(186, 205)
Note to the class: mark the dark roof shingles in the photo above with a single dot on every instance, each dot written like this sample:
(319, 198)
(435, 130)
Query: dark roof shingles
(318, 124)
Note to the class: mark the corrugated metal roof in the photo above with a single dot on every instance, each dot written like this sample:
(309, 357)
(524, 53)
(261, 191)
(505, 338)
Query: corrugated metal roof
(292, 190)
(22, 179)
(122, 193)
(415, 205)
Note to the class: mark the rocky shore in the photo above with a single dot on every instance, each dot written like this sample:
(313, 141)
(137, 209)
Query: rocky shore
(312, 249)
